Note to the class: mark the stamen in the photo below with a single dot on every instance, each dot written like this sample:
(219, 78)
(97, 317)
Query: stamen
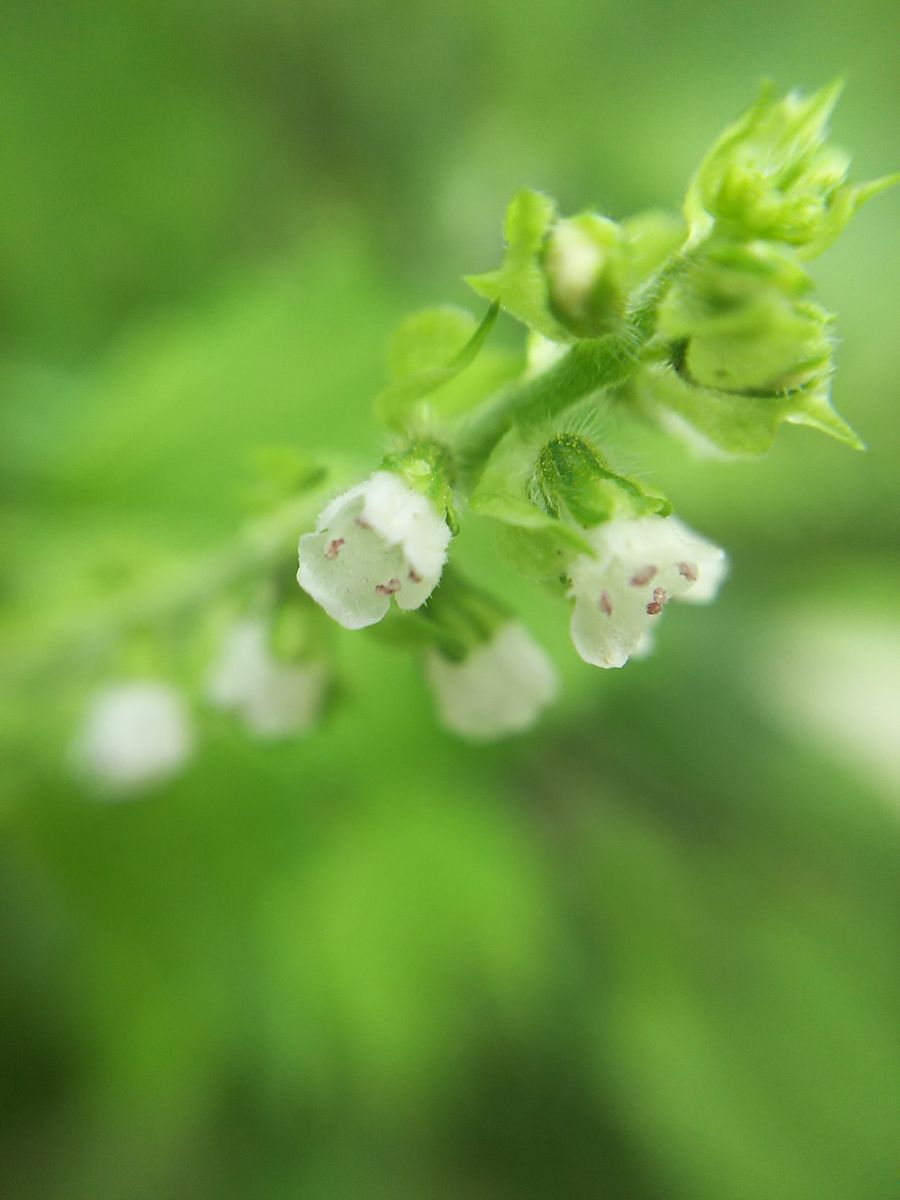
(363, 524)
(414, 576)
(654, 608)
(333, 549)
(689, 571)
(643, 575)
(660, 595)
(605, 603)
(388, 589)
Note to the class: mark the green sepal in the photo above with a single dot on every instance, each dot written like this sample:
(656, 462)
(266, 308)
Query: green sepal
(739, 322)
(428, 467)
(565, 278)
(572, 479)
(743, 426)
(457, 618)
(428, 351)
(520, 284)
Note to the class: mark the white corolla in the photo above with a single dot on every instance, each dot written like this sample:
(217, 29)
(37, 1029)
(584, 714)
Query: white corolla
(273, 698)
(639, 565)
(381, 539)
(135, 733)
(501, 687)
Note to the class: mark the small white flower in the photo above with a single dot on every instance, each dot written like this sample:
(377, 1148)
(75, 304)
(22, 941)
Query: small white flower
(641, 563)
(500, 688)
(273, 698)
(380, 539)
(135, 734)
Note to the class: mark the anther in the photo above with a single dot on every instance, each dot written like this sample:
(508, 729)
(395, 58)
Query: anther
(333, 549)
(605, 603)
(388, 589)
(689, 571)
(644, 575)
(414, 576)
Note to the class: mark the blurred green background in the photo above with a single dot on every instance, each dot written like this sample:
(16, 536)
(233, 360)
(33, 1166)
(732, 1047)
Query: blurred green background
(646, 952)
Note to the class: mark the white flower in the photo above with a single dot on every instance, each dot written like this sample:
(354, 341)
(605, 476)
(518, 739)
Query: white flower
(641, 563)
(501, 687)
(273, 698)
(134, 734)
(380, 539)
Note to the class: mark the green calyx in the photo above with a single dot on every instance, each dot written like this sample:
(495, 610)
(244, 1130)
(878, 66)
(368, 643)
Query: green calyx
(568, 278)
(572, 480)
(430, 468)
(545, 488)
(458, 618)
(738, 322)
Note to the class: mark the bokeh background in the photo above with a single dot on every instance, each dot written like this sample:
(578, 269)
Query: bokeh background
(645, 952)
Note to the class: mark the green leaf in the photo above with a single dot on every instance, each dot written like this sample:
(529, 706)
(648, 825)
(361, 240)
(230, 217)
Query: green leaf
(744, 426)
(429, 351)
(520, 284)
(427, 339)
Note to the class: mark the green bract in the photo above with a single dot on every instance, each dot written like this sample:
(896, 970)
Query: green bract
(545, 489)
(773, 175)
(740, 323)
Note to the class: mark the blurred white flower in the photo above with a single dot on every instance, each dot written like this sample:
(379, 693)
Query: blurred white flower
(273, 698)
(501, 687)
(135, 734)
(380, 539)
(835, 679)
(640, 564)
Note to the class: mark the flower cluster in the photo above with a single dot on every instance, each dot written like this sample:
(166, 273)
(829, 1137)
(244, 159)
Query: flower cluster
(700, 323)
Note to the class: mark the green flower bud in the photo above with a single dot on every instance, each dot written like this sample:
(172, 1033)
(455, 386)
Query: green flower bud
(773, 175)
(740, 323)
(565, 278)
(571, 479)
(585, 263)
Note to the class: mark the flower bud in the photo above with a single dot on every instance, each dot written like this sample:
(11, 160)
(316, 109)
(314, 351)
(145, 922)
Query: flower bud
(742, 324)
(571, 479)
(585, 263)
(773, 175)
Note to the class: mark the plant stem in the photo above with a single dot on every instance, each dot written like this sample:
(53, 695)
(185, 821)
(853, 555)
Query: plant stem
(591, 364)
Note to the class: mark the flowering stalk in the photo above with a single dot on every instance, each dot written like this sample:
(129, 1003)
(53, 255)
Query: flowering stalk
(701, 323)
